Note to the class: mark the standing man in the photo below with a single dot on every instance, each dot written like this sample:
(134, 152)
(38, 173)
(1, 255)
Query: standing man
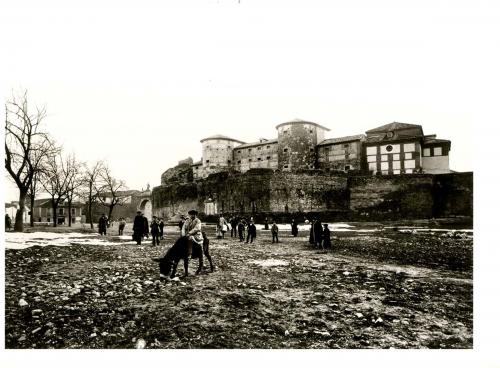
(192, 229)
(162, 225)
(103, 224)
(318, 234)
(121, 226)
(234, 226)
(295, 228)
(155, 231)
(222, 225)
(145, 227)
(327, 242)
(252, 232)
(241, 230)
(138, 228)
(8, 222)
(274, 231)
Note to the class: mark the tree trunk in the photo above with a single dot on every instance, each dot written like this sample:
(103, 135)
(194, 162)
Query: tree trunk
(32, 207)
(110, 212)
(54, 213)
(19, 225)
(90, 210)
(69, 213)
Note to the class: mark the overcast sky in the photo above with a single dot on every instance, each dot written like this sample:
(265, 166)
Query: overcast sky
(138, 84)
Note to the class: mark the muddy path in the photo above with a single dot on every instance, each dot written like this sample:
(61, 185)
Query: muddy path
(384, 290)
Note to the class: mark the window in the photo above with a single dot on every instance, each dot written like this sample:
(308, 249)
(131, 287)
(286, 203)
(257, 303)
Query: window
(196, 167)
(268, 147)
(388, 148)
(249, 150)
(73, 211)
(385, 172)
(347, 167)
(372, 166)
(285, 149)
(396, 172)
(372, 158)
(311, 149)
(396, 165)
(371, 150)
(249, 160)
(383, 157)
(384, 166)
(258, 148)
(61, 211)
(207, 161)
(427, 152)
(346, 145)
(438, 151)
(229, 147)
(268, 157)
(408, 155)
(409, 171)
(310, 131)
(395, 157)
(409, 147)
(228, 161)
(259, 159)
(239, 151)
(285, 167)
(409, 164)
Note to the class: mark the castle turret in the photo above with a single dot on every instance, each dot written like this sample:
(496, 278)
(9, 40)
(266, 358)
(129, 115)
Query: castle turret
(217, 153)
(297, 142)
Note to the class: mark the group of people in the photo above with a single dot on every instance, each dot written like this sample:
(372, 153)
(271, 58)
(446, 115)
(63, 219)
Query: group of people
(319, 235)
(142, 229)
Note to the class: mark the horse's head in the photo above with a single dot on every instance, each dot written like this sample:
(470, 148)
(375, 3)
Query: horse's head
(165, 264)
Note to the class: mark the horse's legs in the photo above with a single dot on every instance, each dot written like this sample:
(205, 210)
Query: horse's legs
(209, 260)
(200, 264)
(174, 269)
(186, 265)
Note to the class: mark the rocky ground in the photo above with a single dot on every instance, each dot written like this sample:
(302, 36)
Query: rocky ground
(380, 289)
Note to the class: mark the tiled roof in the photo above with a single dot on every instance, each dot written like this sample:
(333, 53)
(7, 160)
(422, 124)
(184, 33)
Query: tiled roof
(271, 141)
(392, 126)
(348, 138)
(220, 136)
(384, 138)
(428, 140)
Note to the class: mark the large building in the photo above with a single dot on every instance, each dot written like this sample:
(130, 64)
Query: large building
(391, 149)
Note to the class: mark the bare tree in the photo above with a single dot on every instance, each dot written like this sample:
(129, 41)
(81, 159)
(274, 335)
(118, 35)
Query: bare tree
(92, 183)
(56, 181)
(26, 147)
(112, 193)
(75, 181)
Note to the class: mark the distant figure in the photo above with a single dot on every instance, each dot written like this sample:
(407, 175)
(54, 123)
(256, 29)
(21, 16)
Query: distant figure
(266, 224)
(252, 232)
(295, 228)
(274, 231)
(318, 233)
(311, 233)
(155, 231)
(8, 222)
(241, 230)
(145, 233)
(221, 227)
(83, 220)
(327, 242)
(138, 228)
(234, 226)
(162, 225)
(121, 225)
(102, 225)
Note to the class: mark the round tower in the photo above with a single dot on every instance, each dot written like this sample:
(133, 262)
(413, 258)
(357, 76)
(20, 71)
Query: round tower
(297, 142)
(217, 153)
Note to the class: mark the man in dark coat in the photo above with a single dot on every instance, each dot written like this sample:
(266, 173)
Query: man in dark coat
(145, 227)
(318, 233)
(311, 233)
(241, 230)
(234, 226)
(102, 225)
(252, 232)
(138, 228)
(155, 231)
(295, 228)
(327, 242)
(162, 225)
(274, 232)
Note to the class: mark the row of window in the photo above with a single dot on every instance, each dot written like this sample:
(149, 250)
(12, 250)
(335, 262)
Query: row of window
(407, 147)
(257, 148)
(394, 157)
(438, 151)
(396, 165)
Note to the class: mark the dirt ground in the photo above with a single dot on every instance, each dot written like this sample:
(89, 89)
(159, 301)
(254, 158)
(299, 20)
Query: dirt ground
(380, 289)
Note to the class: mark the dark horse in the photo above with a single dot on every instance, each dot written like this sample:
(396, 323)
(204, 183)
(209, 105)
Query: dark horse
(168, 263)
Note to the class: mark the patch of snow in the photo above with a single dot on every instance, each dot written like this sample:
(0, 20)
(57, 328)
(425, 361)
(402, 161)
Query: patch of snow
(270, 262)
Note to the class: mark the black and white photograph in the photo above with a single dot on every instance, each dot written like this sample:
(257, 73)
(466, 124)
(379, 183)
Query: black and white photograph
(298, 178)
